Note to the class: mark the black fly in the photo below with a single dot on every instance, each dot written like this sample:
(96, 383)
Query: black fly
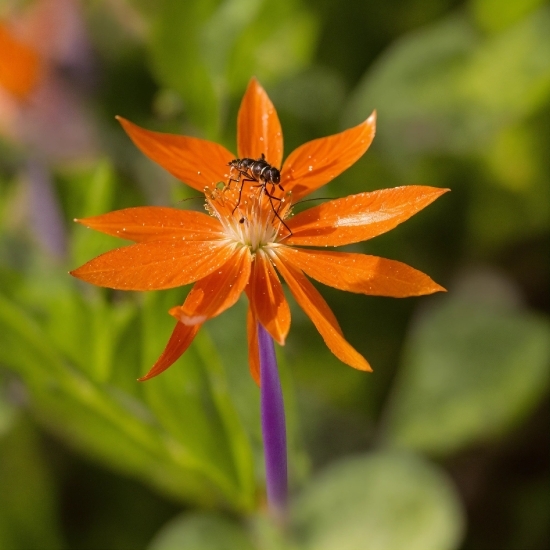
(264, 174)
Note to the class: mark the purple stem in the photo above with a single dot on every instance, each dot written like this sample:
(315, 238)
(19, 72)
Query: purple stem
(47, 218)
(273, 427)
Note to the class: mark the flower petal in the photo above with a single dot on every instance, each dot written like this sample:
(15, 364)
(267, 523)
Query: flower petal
(181, 338)
(258, 127)
(319, 161)
(216, 292)
(156, 223)
(318, 311)
(196, 162)
(267, 298)
(155, 265)
(359, 217)
(19, 64)
(253, 349)
(360, 273)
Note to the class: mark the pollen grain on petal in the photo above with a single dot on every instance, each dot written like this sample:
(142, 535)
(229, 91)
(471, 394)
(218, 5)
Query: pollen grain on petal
(248, 215)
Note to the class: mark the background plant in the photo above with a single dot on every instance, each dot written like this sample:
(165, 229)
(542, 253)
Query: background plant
(445, 444)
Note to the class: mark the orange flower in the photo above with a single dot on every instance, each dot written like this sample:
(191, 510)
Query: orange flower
(19, 64)
(247, 238)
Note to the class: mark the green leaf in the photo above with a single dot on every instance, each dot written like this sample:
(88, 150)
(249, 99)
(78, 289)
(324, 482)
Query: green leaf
(238, 439)
(448, 89)
(201, 532)
(276, 44)
(508, 78)
(496, 15)
(85, 331)
(177, 59)
(473, 368)
(315, 94)
(8, 414)
(414, 86)
(191, 400)
(99, 195)
(28, 503)
(169, 434)
(207, 51)
(518, 207)
(98, 199)
(380, 501)
(223, 29)
(229, 333)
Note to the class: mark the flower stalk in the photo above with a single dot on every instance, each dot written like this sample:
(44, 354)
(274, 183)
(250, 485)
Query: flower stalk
(273, 427)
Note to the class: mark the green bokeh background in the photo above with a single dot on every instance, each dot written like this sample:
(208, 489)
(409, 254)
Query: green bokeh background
(445, 445)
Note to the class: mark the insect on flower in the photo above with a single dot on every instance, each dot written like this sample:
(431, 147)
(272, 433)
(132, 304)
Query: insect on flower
(225, 257)
(258, 171)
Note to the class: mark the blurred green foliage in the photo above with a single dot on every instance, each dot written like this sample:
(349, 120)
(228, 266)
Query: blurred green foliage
(447, 436)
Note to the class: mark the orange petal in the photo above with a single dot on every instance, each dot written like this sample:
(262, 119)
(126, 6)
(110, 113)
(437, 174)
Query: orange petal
(359, 217)
(155, 265)
(258, 127)
(253, 349)
(360, 273)
(181, 338)
(318, 311)
(267, 298)
(19, 64)
(196, 162)
(319, 161)
(156, 223)
(216, 292)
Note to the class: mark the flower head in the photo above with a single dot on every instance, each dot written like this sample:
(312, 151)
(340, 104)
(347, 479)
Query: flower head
(248, 238)
(19, 64)
(44, 55)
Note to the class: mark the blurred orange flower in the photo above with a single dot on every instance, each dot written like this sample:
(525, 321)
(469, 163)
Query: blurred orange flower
(46, 70)
(45, 57)
(19, 64)
(248, 236)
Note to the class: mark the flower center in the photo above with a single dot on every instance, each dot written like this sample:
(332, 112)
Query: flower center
(251, 213)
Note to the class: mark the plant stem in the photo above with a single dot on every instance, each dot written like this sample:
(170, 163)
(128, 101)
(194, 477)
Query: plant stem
(273, 427)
